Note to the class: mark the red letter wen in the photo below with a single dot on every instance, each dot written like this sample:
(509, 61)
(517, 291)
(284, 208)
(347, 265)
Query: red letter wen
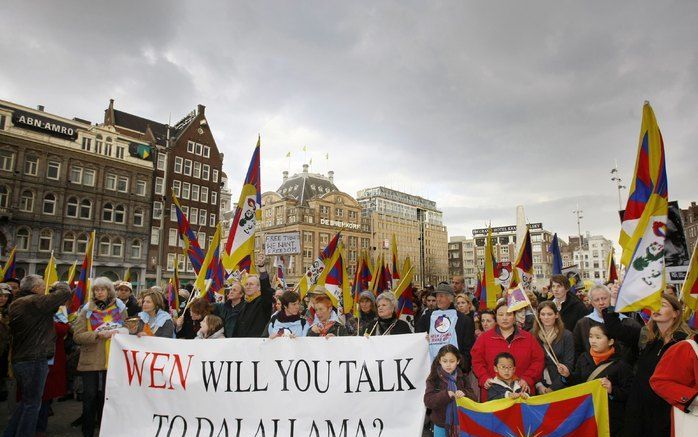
(136, 363)
(136, 368)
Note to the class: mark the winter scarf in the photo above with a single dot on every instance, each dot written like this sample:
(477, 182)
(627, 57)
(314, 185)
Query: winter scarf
(452, 407)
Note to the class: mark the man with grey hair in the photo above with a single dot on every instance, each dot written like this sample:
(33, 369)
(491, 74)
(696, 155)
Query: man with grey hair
(259, 300)
(33, 344)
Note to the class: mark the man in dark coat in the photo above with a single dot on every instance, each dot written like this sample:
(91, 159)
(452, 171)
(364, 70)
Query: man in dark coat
(33, 343)
(571, 308)
(230, 310)
(465, 327)
(124, 291)
(259, 303)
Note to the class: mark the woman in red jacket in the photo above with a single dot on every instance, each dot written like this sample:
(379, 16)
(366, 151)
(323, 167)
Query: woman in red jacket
(506, 337)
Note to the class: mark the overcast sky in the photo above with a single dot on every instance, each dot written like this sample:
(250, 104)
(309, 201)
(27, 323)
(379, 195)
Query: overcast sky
(479, 105)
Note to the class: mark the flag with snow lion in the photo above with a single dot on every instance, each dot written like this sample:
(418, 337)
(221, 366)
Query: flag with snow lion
(579, 411)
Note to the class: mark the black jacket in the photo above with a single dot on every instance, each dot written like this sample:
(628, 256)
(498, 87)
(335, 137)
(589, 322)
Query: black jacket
(31, 323)
(229, 314)
(132, 306)
(572, 310)
(393, 326)
(621, 376)
(465, 333)
(563, 346)
(645, 412)
(627, 349)
(255, 315)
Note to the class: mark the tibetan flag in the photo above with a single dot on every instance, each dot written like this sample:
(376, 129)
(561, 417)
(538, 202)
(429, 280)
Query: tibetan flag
(173, 289)
(315, 270)
(578, 411)
(612, 272)
(336, 281)
(395, 267)
(490, 289)
(356, 287)
(50, 274)
(8, 272)
(191, 243)
(478, 291)
(211, 277)
(557, 256)
(127, 275)
(71, 273)
(643, 230)
(690, 288)
(303, 286)
(239, 249)
(405, 294)
(81, 294)
(522, 270)
(280, 267)
(517, 299)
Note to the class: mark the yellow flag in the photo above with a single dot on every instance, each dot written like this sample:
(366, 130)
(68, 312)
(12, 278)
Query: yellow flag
(200, 283)
(50, 274)
(71, 272)
(127, 275)
(303, 286)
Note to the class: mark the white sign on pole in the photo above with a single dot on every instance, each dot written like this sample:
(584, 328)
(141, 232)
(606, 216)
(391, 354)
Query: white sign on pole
(348, 386)
(282, 244)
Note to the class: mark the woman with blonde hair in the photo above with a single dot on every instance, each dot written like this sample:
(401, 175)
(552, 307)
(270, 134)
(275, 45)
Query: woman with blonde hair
(101, 318)
(558, 344)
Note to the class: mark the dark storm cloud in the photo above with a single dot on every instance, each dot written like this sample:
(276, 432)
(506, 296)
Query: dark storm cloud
(480, 105)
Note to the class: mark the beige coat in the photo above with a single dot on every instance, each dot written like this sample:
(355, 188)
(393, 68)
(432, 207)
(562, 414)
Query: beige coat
(93, 354)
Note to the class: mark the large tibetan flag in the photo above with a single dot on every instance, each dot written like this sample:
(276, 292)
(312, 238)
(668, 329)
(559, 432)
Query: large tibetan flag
(522, 270)
(173, 289)
(50, 274)
(211, 277)
(239, 249)
(191, 243)
(578, 411)
(404, 292)
(612, 271)
(81, 294)
(8, 272)
(557, 256)
(490, 289)
(690, 288)
(336, 281)
(644, 223)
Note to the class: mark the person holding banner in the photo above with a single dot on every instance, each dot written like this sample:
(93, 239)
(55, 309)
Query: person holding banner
(506, 337)
(558, 344)
(445, 325)
(288, 320)
(259, 301)
(154, 319)
(102, 317)
(387, 322)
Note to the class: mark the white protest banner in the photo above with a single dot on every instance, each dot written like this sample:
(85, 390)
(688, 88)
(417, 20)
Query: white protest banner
(324, 387)
(282, 244)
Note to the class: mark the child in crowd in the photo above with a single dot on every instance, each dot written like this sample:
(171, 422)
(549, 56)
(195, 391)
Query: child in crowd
(604, 362)
(211, 327)
(445, 383)
(505, 384)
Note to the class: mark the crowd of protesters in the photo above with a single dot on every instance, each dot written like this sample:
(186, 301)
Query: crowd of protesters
(565, 337)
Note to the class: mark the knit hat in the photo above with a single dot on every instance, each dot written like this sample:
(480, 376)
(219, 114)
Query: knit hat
(118, 284)
(444, 289)
(367, 295)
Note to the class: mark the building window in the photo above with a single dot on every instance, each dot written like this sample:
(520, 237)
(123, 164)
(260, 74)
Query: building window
(86, 144)
(178, 164)
(136, 249)
(4, 196)
(212, 220)
(22, 239)
(177, 187)
(120, 214)
(120, 152)
(154, 235)
(207, 152)
(141, 186)
(194, 217)
(45, 240)
(82, 243)
(88, 177)
(108, 212)
(308, 237)
(110, 182)
(195, 192)
(187, 167)
(215, 175)
(107, 147)
(197, 170)
(324, 210)
(205, 172)
(117, 247)
(122, 184)
(190, 146)
(138, 217)
(214, 197)
(98, 144)
(104, 246)
(69, 242)
(31, 165)
(201, 236)
(76, 174)
(186, 189)
(172, 237)
(339, 213)
(159, 186)
(199, 149)
(26, 202)
(202, 216)
(7, 160)
(204, 194)
(173, 213)
(157, 210)
(49, 204)
(72, 207)
(162, 161)
(53, 170)
(170, 262)
(86, 209)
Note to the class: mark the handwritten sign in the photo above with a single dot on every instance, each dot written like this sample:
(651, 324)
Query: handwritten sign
(282, 244)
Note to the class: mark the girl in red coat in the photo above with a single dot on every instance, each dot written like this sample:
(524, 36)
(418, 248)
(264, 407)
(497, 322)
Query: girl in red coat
(506, 337)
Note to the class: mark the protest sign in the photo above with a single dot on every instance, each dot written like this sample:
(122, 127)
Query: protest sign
(342, 386)
(282, 244)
